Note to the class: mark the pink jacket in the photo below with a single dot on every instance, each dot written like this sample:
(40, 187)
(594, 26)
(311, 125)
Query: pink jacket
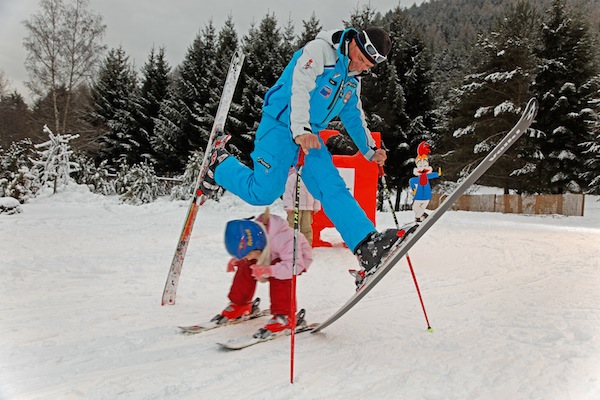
(281, 243)
(307, 201)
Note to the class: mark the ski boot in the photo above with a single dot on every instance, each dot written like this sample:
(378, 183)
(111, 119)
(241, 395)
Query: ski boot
(276, 324)
(375, 248)
(280, 323)
(234, 311)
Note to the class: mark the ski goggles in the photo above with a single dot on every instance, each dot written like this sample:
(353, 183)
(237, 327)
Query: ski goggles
(369, 49)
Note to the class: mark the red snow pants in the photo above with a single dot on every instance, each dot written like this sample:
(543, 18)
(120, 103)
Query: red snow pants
(244, 285)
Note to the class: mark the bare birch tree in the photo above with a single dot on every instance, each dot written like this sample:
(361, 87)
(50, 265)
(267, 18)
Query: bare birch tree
(64, 49)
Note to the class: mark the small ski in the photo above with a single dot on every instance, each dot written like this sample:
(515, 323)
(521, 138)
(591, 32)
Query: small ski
(233, 74)
(209, 325)
(214, 323)
(242, 343)
(412, 236)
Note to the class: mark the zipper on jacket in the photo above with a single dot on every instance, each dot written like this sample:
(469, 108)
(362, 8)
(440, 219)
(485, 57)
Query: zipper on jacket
(335, 99)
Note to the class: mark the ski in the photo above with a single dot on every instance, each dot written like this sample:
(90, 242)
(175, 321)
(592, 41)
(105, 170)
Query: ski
(209, 325)
(233, 74)
(413, 235)
(217, 322)
(242, 343)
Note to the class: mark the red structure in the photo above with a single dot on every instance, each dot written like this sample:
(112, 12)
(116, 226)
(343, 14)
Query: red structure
(361, 178)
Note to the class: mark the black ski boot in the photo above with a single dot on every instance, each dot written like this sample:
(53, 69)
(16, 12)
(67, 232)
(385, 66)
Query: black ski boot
(376, 245)
(374, 248)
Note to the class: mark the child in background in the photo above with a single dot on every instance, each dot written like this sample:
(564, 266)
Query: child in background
(263, 251)
(308, 205)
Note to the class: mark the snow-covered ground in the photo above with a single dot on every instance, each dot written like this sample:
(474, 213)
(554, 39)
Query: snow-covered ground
(514, 302)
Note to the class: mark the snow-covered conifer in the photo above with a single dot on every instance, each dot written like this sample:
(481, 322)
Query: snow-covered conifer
(185, 189)
(139, 185)
(52, 164)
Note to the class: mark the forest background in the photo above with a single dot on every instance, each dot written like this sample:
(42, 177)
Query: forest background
(458, 75)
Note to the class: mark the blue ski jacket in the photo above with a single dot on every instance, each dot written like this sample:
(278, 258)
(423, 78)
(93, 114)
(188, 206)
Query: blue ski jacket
(316, 87)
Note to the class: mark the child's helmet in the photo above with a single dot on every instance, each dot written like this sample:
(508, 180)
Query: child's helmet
(243, 236)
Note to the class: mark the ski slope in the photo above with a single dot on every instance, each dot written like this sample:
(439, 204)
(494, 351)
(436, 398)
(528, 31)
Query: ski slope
(513, 301)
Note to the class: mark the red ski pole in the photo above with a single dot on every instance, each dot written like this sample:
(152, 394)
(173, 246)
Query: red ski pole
(391, 207)
(299, 166)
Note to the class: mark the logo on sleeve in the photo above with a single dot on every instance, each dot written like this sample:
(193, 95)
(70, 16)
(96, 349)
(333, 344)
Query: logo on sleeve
(309, 64)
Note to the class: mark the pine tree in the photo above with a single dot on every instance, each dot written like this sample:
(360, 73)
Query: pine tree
(396, 96)
(154, 90)
(14, 118)
(185, 189)
(186, 117)
(408, 96)
(310, 29)
(288, 45)
(591, 148)
(139, 185)
(115, 110)
(569, 63)
(16, 179)
(266, 57)
(489, 102)
(228, 43)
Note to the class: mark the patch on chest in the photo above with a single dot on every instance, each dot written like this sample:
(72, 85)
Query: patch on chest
(326, 91)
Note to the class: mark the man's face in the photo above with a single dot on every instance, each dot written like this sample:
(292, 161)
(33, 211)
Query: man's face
(358, 61)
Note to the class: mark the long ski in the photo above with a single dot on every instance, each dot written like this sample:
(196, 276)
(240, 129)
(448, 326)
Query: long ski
(396, 253)
(233, 74)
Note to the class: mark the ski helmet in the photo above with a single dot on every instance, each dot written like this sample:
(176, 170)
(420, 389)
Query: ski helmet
(243, 236)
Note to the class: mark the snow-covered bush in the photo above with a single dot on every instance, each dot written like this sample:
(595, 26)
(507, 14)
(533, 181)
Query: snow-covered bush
(9, 205)
(97, 178)
(138, 184)
(18, 185)
(16, 179)
(185, 190)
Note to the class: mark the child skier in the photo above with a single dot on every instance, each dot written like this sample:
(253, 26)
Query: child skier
(263, 251)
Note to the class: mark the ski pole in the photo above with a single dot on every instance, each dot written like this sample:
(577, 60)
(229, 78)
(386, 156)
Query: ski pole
(299, 166)
(386, 193)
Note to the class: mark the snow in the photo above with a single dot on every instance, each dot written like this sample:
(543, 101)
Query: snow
(463, 131)
(505, 107)
(482, 111)
(9, 202)
(512, 299)
(501, 76)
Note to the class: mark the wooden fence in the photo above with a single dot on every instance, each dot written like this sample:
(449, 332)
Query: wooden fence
(565, 204)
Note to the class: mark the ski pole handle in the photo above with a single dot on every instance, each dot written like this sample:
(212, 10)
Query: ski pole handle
(300, 162)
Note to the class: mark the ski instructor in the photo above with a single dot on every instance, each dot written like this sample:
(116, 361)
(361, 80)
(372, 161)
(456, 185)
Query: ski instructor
(322, 81)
